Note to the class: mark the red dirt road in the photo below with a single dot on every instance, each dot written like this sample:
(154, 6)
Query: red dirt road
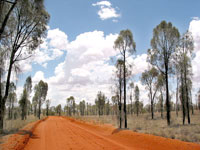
(60, 133)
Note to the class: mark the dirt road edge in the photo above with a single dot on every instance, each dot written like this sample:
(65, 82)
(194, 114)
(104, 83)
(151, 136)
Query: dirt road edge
(19, 140)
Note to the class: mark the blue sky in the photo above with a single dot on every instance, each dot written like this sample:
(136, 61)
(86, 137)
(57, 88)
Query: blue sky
(82, 30)
(141, 16)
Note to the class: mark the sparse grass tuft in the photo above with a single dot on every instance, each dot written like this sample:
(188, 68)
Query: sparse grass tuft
(12, 126)
(144, 124)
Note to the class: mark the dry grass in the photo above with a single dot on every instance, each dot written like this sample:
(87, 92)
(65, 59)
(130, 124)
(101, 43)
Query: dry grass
(158, 126)
(12, 126)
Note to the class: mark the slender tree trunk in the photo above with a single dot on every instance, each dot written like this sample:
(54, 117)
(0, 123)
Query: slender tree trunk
(131, 104)
(192, 106)
(47, 111)
(125, 114)
(183, 99)
(167, 94)
(39, 110)
(2, 108)
(1, 104)
(161, 104)
(187, 102)
(152, 111)
(120, 98)
(137, 108)
(3, 99)
(12, 110)
(35, 110)
(177, 93)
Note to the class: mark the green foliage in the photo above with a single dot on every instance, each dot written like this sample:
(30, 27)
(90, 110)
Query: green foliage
(100, 102)
(12, 99)
(26, 25)
(126, 45)
(150, 79)
(41, 90)
(137, 96)
(71, 106)
(164, 43)
(23, 102)
(184, 72)
(82, 107)
(125, 42)
(59, 109)
(28, 85)
(47, 107)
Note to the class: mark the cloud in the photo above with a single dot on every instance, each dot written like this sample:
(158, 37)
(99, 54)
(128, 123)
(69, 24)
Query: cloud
(194, 28)
(86, 62)
(58, 39)
(25, 66)
(106, 10)
(102, 3)
(87, 69)
(39, 75)
(19, 91)
(139, 63)
(52, 48)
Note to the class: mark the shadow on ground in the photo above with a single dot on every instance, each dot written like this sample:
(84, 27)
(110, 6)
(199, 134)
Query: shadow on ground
(119, 129)
(25, 132)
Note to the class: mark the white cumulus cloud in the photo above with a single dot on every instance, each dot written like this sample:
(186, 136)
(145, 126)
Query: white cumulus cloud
(52, 48)
(87, 69)
(106, 10)
(194, 28)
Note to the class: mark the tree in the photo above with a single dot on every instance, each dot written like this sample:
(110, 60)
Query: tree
(59, 109)
(82, 107)
(115, 104)
(119, 74)
(23, 104)
(198, 100)
(184, 67)
(24, 101)
(126, 45)
(107, 107)
(164, 42)
(41, 90)
(47, 107)
(35, 102)
(100, 102)
(70, 105)
(28, 85)
(160, 84)
(12, 98)
(74, 107)
(26, 30)
(137, 96)
(131, 95)
(149, 78)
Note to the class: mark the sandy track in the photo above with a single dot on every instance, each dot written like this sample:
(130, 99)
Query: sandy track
(59, 133)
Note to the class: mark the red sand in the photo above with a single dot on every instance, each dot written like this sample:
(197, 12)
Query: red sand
(61, 133)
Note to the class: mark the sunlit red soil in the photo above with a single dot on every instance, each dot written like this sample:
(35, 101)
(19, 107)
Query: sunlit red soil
(61, 133)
